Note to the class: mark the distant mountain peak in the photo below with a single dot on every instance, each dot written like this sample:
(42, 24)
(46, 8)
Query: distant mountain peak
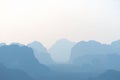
(38, 46)
(36, 42)
(2, 44)
(89, 42)
(117, 42)
(61, 50)
(41, 53)
(64, 41)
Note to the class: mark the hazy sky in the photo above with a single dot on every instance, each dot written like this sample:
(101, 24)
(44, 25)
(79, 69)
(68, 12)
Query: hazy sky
(49, 20)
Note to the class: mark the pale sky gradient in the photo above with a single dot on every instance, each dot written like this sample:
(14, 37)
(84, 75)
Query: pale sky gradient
(46, 21)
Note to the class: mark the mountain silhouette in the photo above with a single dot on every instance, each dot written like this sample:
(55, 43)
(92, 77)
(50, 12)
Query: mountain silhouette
(92, 56)
(86, 60)
(89, 48)
(13, 74)
(115, 45)
(98, 63)
(2, 44)
(109, 75)
(61, 50)
(21, 57)
(41, 53)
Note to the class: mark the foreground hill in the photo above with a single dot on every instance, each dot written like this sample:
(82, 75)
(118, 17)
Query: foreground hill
(21, 57)
(109, 75)
(13, 74)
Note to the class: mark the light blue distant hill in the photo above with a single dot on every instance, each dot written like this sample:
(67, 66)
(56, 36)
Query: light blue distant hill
(41, 53)
(61, 50)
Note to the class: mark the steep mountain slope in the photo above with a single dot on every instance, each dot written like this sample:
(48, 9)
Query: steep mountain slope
(41, 53)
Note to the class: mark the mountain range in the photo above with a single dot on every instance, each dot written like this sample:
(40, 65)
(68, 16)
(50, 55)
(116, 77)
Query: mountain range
(65, 60)
(22, 58)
